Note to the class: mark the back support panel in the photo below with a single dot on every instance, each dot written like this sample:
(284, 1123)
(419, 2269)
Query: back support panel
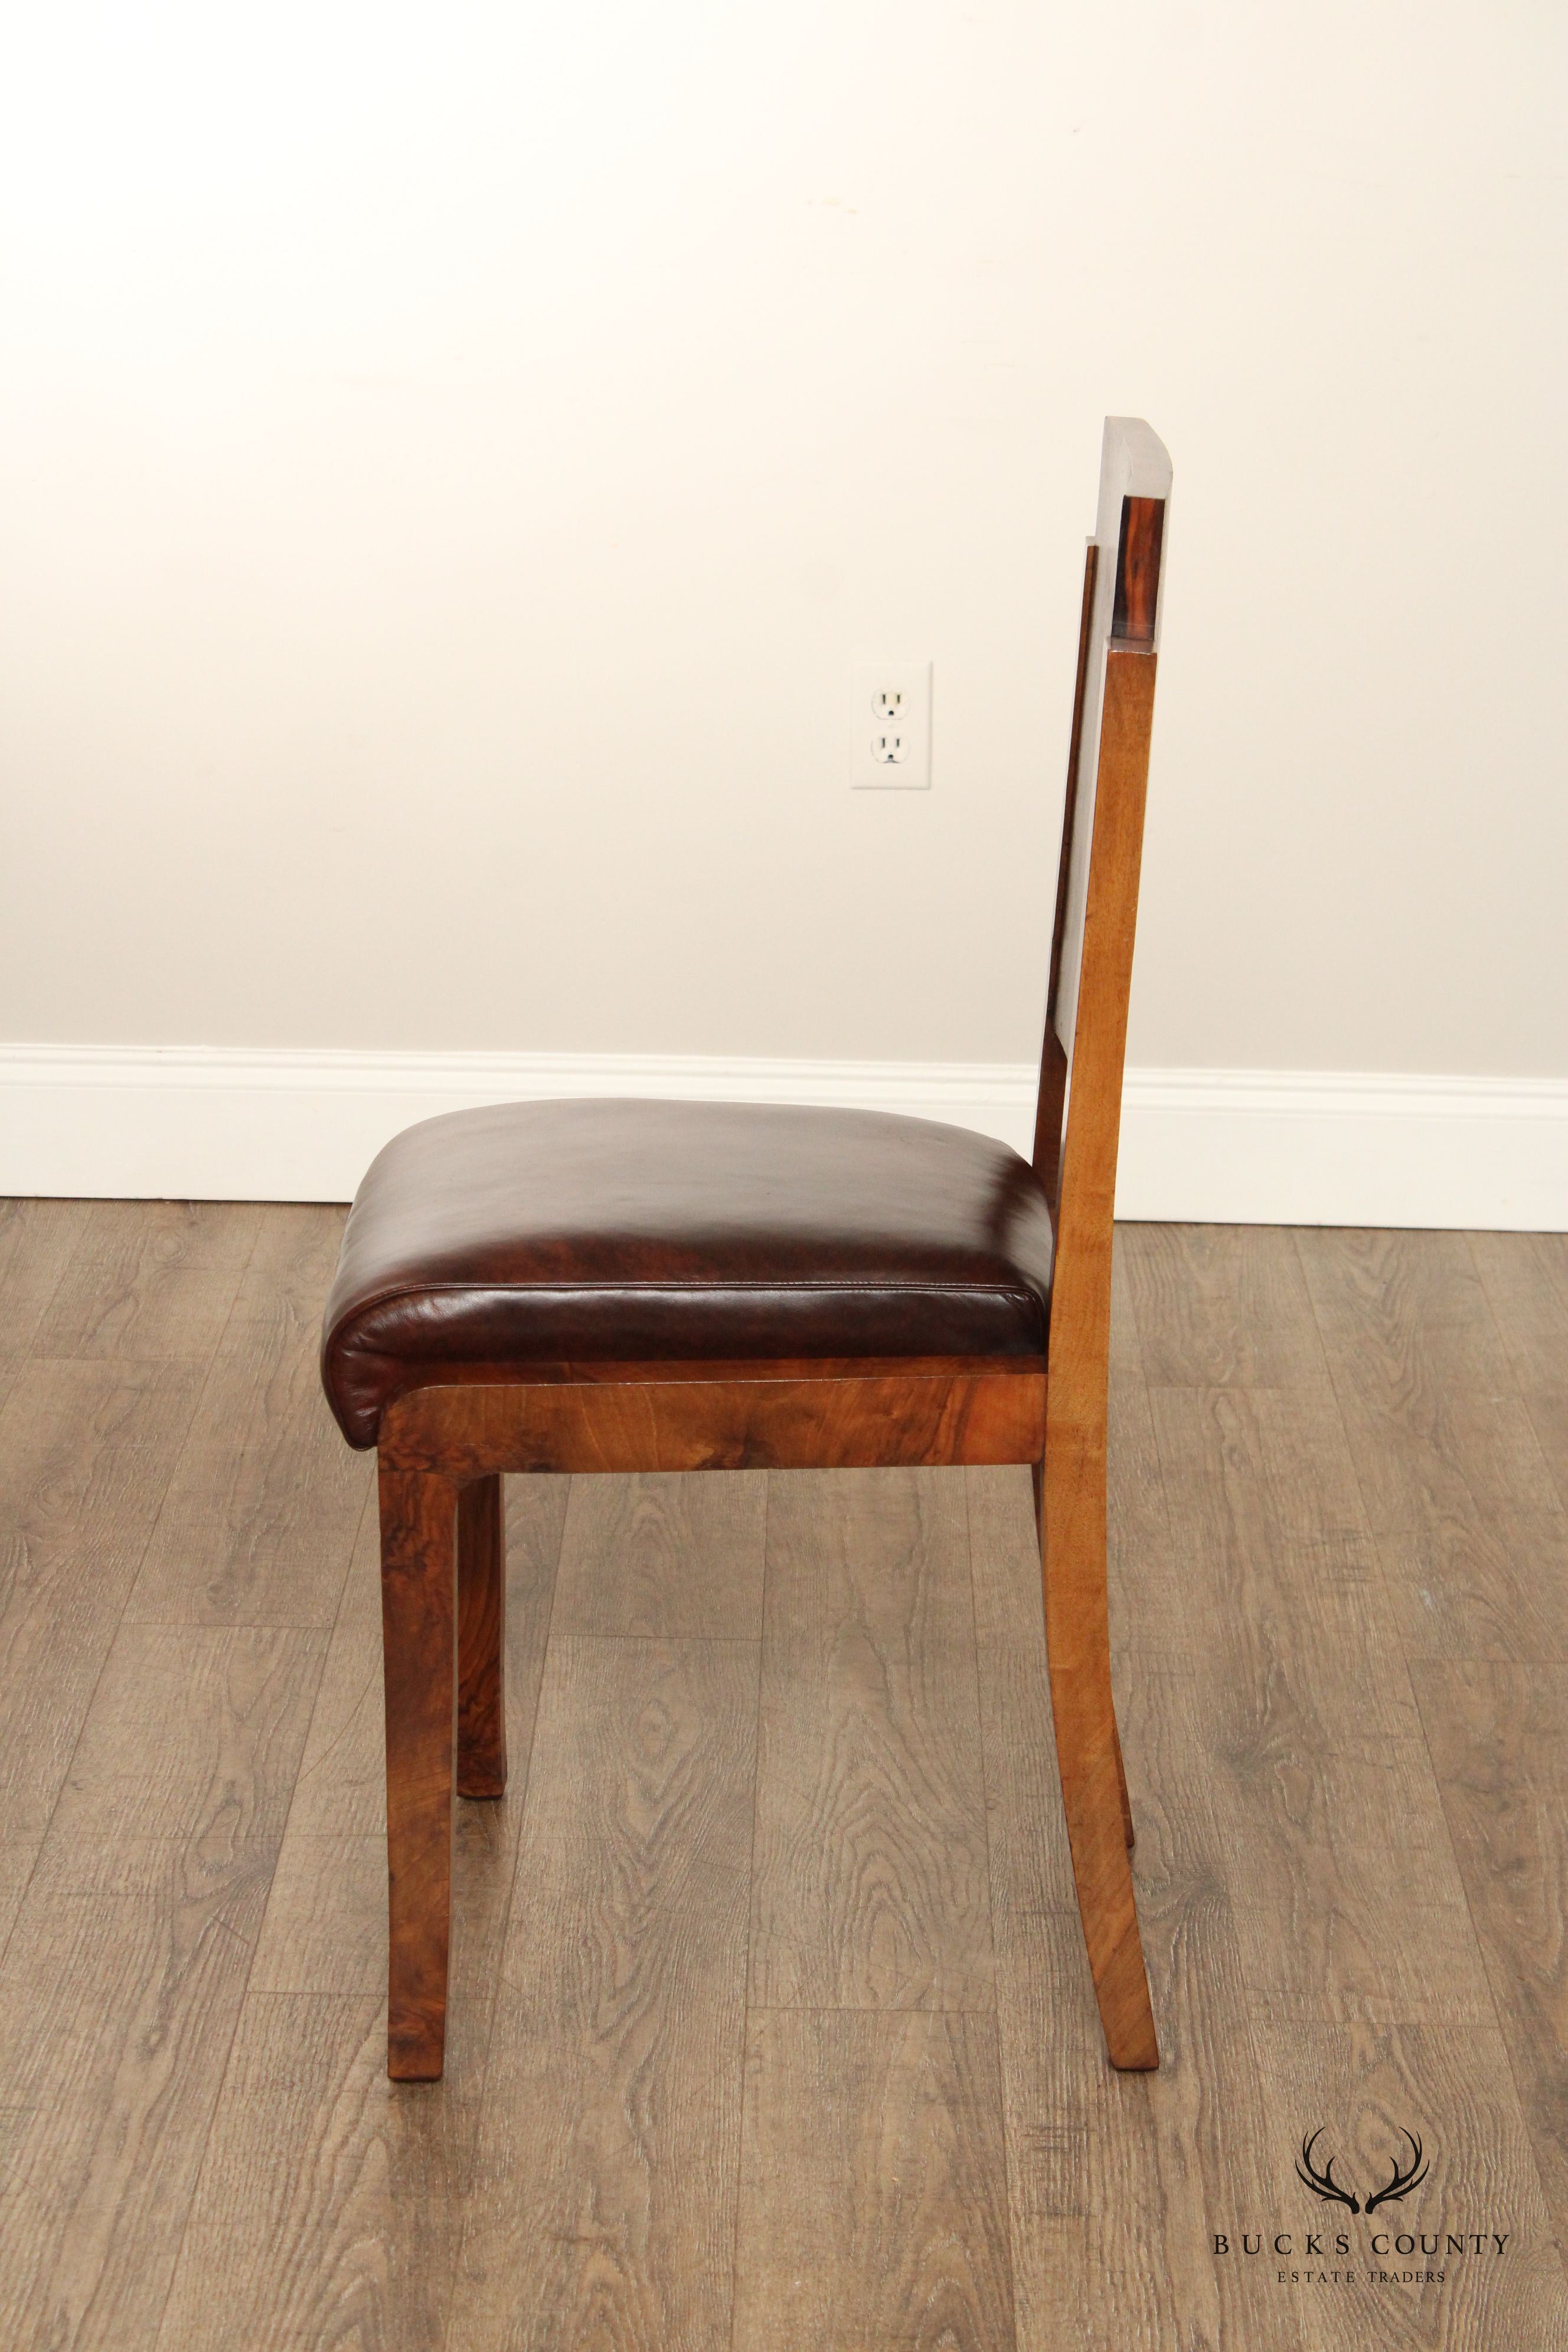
(1129, 533)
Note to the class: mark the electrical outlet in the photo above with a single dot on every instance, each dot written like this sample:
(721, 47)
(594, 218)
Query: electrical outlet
(890, 744)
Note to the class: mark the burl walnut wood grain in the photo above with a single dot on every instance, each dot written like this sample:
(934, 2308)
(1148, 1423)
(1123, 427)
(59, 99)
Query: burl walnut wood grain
(1073, 1499)
(481, 1640)
(865, 1421)
(418, 1611)
(1138, 570)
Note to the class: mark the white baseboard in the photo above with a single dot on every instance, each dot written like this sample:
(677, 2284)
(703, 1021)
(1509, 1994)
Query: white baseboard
(1245, 1147)
(1345, 1148)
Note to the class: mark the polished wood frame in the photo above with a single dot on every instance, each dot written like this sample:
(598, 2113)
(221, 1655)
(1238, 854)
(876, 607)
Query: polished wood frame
(443, 1449)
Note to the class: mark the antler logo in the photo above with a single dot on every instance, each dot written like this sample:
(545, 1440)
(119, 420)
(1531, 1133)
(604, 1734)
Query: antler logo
(1322, 2184)
(1401, 2181)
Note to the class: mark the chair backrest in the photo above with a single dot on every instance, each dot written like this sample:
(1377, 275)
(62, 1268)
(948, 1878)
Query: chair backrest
(1079, 1114)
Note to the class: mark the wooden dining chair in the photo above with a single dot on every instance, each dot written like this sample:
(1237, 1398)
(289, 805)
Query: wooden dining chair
(666, 1286)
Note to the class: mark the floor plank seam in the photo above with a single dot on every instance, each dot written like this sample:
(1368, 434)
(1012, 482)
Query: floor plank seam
(90, 1703)
(1559, 1476)
(66, 1264)
(199, 2169)
(653, 1640)
(1484, 1287)
(1011, 2185)
(199, 2165)
(858, 2009)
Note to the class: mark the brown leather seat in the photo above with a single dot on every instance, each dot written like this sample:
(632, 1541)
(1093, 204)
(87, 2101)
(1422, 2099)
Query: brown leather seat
(642, 1232)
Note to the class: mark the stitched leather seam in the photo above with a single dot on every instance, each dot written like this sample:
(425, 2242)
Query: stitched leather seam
(1018, 1297)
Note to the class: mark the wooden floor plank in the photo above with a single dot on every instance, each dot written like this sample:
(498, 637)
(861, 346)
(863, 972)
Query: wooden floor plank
(326, 1926)
(145, 1901)
(334, 2197)
(604, 2202)
(870, 1885)
(1448, 1459)
(1526, 1280)
(1439, 1433)
(117, 2001)
(666, 1556)
(873, 2207)
(331, 2196)
(259, 1533)
(1148, 1605)
(331, 2200)
(1548, 1411)
(1343, 1486)
(325, 1930)
(1366, 2087)
(1499, 1738)
(1343, 1889)
(1112, 2180)
(86, 1453)
(341, 1787)
(18, 1856)
(341, 1790)
(1403, 1311)
(150, 1281)
(1470, 1537)
(37, 1241)
(68, 1436)
(195, 1733)
(1480, 1586)
(1221, 1306)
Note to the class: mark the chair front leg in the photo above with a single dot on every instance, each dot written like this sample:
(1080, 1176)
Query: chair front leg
(481, 1639)
(418, 1578)
(1089, 1751)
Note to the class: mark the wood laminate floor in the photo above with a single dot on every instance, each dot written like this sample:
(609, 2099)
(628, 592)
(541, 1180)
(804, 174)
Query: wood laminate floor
(771, 2025)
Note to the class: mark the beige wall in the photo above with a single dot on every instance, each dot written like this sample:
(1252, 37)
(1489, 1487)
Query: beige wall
(451, 456)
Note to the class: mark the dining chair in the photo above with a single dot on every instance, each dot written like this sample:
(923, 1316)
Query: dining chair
(650, 1286)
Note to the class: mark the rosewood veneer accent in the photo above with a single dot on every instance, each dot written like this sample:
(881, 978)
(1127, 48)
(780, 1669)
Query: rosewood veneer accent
(629, 1287)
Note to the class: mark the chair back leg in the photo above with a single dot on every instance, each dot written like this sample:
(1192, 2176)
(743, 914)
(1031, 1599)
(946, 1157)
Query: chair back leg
(481, 1639)
(1089, 1751)
(418, 1597)
(1127, 1830)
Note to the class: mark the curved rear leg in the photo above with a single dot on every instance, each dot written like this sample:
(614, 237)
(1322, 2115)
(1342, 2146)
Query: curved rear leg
(1038, 1472)
(1089, 1751)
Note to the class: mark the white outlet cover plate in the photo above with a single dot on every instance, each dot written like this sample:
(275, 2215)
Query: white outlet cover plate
(889, 699)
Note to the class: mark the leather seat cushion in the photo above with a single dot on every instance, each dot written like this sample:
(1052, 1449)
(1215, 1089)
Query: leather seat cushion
(490, 1241)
